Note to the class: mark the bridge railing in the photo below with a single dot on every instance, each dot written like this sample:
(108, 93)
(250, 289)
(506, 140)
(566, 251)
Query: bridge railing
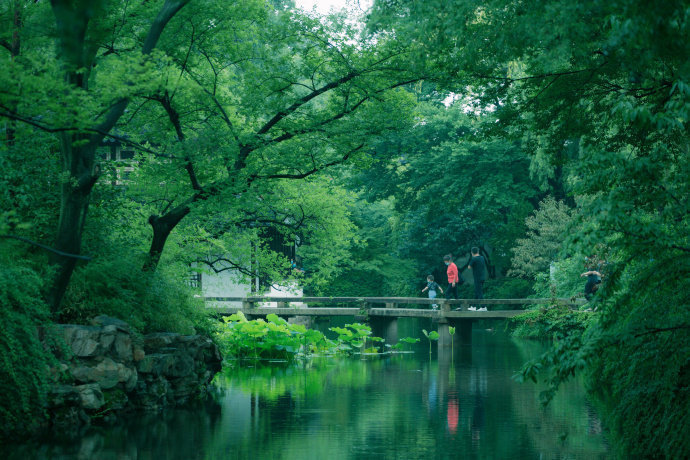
(251, 302)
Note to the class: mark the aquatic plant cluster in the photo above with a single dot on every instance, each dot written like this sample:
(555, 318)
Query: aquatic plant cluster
(275, 338)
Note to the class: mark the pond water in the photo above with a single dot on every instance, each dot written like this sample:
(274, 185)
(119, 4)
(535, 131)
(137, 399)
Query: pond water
(404, 406)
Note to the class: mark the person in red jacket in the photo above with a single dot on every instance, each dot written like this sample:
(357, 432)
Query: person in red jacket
(453, 279)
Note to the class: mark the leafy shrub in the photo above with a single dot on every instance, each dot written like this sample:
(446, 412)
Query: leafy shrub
(508, 288)
(639, 354)
(563, 281)
(549, 323)
(24, 365)
(273, 338)
(546, 229)
(148, 301)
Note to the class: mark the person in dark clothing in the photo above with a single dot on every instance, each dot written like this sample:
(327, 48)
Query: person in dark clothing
(478, 267)
(592, 284)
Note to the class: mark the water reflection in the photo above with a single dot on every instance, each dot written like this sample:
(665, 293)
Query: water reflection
(400, 406)
(170, 434)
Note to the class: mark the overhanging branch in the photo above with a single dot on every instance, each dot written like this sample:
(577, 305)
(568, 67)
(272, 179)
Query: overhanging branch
(314, 170)
(47, 248)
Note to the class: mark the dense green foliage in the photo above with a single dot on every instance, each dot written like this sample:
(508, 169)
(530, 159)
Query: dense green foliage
(23, 357)
(230, 116)
(273, 338)
(534, 254)
(232, 112)
(551, 323)
(544, 133)
(598, 94)
(442, 185)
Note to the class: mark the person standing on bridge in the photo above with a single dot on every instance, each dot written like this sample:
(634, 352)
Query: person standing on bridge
(453, 279)
(432, 286)
(478, 267)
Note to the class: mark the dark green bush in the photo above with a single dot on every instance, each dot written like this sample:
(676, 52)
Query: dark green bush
(508, 288)
(148, 301)
(547, 323)
(640, 358)
(24, 362)
(634, 351)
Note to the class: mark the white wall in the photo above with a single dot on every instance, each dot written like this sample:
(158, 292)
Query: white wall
(229, 283)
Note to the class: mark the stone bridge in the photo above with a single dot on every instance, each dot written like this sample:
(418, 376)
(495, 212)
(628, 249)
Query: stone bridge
(382, 313)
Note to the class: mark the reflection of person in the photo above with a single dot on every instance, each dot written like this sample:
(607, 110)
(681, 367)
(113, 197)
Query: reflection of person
(477, 424)
(432, 286)
(478, 267)
(479, 382)
(592, 284)
(452, 415)
(453, 279)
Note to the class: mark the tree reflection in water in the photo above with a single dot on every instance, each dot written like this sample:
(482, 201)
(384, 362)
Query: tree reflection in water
(397, 406)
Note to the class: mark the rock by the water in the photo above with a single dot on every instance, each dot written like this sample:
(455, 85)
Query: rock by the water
(104, 368)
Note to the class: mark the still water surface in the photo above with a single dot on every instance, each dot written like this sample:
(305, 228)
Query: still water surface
(405, 406)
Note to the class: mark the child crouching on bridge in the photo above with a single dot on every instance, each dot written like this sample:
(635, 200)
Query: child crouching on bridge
(432, 286)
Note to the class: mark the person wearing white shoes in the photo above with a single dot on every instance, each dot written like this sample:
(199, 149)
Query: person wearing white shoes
(432, 286)
(478, 267)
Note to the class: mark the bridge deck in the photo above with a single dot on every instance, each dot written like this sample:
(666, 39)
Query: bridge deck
(456, 308)
(397, 312)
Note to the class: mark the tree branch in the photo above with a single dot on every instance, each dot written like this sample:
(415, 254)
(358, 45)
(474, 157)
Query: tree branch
(314, 169)
(536, 77)
(14, 116)
(657, 330)
(174, 117)
(232, 266)
(169, 9)
(47, 248)
(338, 116)
(299, 103)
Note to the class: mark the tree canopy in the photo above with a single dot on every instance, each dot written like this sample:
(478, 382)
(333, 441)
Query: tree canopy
(597, 92)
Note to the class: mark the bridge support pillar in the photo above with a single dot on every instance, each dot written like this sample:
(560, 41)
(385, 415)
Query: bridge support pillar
(304, 320)
(386, 328)
(444, 337)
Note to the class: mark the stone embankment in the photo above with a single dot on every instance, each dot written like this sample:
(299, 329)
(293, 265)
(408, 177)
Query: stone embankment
(106, 369)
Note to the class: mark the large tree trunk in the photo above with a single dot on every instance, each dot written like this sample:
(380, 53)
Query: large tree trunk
(72, 19)
(162, 227)
(14, 49)
(74, 204)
